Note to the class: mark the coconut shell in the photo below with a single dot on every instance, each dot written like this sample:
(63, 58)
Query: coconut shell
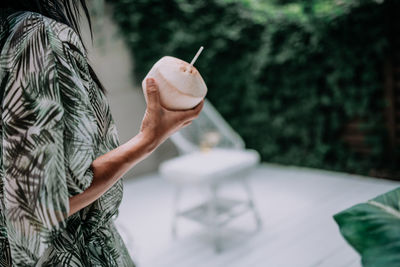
(180, 85)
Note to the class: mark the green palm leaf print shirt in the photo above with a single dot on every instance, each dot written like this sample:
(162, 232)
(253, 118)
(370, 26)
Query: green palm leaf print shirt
(54, 122)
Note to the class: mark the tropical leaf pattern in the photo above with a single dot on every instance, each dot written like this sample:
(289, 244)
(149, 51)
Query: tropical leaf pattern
(54, 122)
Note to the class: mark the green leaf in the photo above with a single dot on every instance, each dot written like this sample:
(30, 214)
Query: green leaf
(373, 229)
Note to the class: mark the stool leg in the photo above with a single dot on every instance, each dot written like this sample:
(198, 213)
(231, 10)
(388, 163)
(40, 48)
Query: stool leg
(251, 203)
(177, 196)
(212, 217)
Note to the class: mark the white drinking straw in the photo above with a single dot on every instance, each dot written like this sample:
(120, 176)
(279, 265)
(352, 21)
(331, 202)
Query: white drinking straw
(196, 56)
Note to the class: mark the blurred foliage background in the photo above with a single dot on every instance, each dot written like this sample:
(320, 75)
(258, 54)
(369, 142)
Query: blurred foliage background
(303, 82)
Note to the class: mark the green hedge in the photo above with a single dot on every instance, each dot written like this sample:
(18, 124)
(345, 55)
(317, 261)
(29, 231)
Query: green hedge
(287, 77)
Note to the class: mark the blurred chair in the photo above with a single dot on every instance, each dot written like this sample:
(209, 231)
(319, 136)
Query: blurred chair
(212, 154)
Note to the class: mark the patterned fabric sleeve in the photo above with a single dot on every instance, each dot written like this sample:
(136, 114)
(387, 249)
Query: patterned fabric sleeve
(41, 90)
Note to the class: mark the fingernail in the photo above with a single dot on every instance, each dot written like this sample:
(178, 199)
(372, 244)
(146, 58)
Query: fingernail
(150, 81)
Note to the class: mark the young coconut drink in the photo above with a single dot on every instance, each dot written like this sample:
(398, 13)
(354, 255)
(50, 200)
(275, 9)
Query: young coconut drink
(180, 84)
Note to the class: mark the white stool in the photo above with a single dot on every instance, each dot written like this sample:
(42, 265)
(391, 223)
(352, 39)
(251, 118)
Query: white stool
(212, 168)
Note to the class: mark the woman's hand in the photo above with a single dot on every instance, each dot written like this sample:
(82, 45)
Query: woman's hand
(158, 122)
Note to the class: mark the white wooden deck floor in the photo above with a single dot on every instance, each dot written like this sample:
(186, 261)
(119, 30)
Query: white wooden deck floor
(296, 206)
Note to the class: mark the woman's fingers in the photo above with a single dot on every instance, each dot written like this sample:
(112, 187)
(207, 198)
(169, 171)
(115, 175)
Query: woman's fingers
(187, 123)
(153, 97)
(193, 113)
(185, 115)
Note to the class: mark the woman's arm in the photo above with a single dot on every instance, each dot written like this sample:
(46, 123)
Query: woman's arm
(157, 125)
(109, 168)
